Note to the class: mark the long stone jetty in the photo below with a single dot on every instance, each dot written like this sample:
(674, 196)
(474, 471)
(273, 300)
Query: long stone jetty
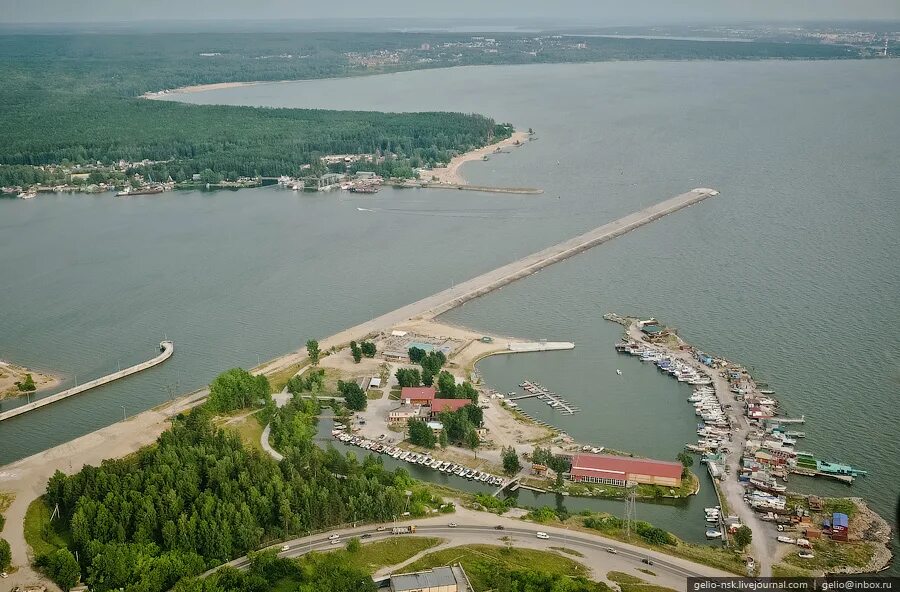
(457, 295)
(167, 348)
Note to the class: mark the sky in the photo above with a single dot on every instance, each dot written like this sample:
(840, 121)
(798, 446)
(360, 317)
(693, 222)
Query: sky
(586, 12)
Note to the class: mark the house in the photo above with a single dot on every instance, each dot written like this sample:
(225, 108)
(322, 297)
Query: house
(402, 414)
(439, 579)
(440, 405)
(839, 526)
(417, 395)
(618, 470)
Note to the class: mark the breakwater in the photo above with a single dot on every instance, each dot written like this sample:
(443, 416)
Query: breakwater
(167, 349)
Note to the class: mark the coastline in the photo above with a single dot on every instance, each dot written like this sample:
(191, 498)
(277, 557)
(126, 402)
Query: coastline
(450, 174)
(199, 88)
(11, 373)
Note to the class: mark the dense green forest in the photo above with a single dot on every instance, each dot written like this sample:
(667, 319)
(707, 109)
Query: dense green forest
(71, 97)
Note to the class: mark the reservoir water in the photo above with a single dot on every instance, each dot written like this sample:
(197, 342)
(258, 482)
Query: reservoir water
(791, 271)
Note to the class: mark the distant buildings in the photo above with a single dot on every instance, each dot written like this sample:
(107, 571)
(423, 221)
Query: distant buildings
(618, 470)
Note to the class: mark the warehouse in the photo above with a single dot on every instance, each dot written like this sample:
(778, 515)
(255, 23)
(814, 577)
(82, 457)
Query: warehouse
(618, 470)
(439, 579)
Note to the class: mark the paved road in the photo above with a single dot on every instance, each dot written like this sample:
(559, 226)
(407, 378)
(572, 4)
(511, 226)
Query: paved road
(479, 528)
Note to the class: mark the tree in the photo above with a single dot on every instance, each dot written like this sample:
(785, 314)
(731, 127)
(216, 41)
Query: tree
(446, 385)
(743, 536)
(686, 462)
(353, 545)
(355, 351)
(472, 440)
(368, 349)
(427, 377)
(420, 434)
(5, 555)
(237, 389)
(312, 349)
(407, 377)
(354, 396)
(416, 354)
(467, 391)
(27, 385)
(474, 414)
(62, 568)
(511, 464)
(210, 176)
(442, 439)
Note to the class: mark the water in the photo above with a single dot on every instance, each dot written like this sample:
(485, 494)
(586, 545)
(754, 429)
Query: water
(791, 270)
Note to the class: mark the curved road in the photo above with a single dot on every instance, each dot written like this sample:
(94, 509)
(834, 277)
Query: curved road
(480, 528)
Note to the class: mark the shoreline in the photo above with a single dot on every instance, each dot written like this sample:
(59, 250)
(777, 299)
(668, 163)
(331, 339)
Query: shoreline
(450, 174)
(10, 373)
(199, 88)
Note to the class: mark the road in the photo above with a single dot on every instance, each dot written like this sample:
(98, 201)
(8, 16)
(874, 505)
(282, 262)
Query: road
(479, 528)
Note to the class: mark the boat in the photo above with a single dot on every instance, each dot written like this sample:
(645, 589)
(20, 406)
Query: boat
(713, 534)
(767, 392)
(786, 539)
(619, 372)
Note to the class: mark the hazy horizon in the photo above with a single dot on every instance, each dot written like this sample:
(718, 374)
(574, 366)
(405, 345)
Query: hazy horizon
(594, 13)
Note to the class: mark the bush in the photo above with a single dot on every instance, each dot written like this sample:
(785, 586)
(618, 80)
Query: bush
(5, 555)
(353, 545)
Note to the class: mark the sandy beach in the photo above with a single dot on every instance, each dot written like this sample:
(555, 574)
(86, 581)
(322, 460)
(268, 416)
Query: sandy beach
(450, 174)
(11, 373)
(198, 88)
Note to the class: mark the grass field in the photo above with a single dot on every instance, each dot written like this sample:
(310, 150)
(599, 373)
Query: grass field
(373, 556)
(784, 570)
(278, 379)
(830, 554)
(250, 431)
(42, 535)
(480, 561)
(630, 583)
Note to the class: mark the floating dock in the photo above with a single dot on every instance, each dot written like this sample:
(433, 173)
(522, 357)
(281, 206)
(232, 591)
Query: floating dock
(167, 347)
(534, 390)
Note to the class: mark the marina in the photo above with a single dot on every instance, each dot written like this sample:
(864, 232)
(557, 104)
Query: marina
(534, 390)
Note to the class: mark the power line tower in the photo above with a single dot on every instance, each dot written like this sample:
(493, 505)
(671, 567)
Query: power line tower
(630, 497)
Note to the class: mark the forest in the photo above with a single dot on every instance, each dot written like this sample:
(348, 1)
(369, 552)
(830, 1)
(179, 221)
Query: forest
(72, 97)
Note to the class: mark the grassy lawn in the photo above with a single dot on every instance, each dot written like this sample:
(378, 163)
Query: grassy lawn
(784, 570)
(41, 535)
(250, 431)
(711, 555)
(278, 379)
(630, 583)
(481, 561)
(394, 395)
(374, 556)
(373, 394)
(830, 554)
(568, 551)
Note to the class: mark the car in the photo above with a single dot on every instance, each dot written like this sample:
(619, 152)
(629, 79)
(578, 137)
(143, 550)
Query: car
(611, 550)
(365, 536)
(542, 535)
(285, 547)
(806, 555)
(381, 437)
(498, 527)
(335, 542)
(647, 561)
(381, 529)
(334, 537)
(4, 575)
(453, 525)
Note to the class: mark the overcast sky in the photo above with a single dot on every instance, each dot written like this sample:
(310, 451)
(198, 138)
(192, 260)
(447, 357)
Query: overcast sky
(587, 12)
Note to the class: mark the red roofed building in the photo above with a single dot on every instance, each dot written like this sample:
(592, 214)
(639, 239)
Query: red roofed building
(617, 470)
(417, 395)
(441, 405)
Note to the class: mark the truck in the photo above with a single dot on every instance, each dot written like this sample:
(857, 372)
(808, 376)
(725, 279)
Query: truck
(403, 529)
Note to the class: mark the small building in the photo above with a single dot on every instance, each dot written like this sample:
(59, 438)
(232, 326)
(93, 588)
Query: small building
(538, 469)
(840, 526)
(439, 579)
(436, 426)
(364, 175)
(399, 416)
(417, 395)
(440, 405)
(815, 503)
(618, 470)
(375, 382)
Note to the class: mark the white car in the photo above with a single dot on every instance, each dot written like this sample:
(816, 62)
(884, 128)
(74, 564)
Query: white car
(611, 550)
(285, 547)
(334, 537)
(543, 535)
(453, 525)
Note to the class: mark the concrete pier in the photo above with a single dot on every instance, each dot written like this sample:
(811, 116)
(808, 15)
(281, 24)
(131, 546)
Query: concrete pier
(167, 348)
(436, 304)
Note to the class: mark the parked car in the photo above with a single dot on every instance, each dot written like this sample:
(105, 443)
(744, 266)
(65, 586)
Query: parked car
(543, 535)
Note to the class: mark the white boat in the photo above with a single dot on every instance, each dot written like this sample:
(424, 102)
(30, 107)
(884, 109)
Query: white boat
(713, 534)
(786, 539)
(619, 372)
